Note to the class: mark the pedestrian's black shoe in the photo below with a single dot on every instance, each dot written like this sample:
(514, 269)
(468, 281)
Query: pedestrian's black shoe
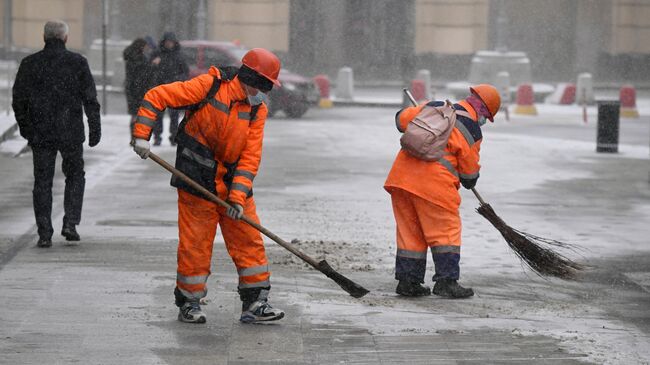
(70, 233)
(157, 141)
(190, 312)
(449, 288)
(172, 141)
(44, 243)
(411, 289)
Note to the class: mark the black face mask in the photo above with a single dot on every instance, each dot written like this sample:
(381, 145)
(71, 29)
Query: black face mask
(251, 78)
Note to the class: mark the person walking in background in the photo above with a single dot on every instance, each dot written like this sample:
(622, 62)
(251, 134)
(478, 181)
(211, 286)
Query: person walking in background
(138, 75)
(425, 196)
(170, 66)
(53, 88)
(220, 147)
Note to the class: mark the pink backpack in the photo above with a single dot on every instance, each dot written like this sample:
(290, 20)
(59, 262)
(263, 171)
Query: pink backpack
(426, 136)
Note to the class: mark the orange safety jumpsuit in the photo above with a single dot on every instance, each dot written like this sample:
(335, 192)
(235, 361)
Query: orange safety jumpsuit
(425, 198)
(224, 128)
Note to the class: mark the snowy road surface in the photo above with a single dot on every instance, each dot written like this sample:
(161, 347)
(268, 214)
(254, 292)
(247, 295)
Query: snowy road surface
(108, 300)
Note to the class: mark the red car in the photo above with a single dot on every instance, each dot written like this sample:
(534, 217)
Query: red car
(294, 97)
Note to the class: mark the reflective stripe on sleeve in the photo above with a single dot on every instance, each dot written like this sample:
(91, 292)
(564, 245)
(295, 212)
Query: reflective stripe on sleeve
(411, 254)
(197, 158)
(191, 280)
(448, 166)
(465, 132)
(240, 187)
(147, 105)
(146, 121)
(445, 249)
(219, 105)
(244, 115)
(249, 175)
(249, 271)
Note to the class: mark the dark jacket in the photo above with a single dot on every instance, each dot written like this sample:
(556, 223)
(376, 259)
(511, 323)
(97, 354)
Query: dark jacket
(172, 66)
(50, 90)
(138, 79)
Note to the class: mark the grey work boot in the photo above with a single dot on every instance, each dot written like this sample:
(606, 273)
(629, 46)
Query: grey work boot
(449, 288)
(411, 289)
(256, 308)
(190, 312)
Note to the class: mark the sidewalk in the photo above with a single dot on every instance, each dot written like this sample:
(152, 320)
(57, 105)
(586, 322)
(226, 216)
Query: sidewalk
(109, 299)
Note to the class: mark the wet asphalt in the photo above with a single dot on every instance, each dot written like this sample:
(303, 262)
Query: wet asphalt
(107, 300)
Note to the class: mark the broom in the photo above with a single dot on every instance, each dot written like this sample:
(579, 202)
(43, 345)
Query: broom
(534, 251)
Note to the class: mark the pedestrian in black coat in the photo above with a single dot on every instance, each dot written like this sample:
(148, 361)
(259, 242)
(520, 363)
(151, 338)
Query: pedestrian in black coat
(170, 66)
(138, 76)
(52, 89)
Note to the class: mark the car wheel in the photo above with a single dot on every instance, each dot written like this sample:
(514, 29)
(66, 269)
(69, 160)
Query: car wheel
(296, 110)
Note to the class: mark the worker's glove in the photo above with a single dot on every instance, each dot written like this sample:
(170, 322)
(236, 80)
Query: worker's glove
(142, 147)
(235, 211)
(468, 183)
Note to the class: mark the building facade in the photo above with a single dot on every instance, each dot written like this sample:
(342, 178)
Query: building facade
(382, 40)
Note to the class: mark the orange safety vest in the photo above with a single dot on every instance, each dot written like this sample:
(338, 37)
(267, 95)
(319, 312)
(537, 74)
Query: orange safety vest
(220, 144)
(438, 181)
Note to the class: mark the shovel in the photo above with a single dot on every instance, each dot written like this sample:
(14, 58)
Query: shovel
(346, 284)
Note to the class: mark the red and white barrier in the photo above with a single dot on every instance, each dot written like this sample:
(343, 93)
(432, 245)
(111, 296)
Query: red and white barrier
(323, 84)
(525, 100)
(627, 97)
(564, 94)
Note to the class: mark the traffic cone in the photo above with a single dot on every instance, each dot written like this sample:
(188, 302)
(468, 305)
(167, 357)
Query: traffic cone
(525, 100)
(323, 84)
(628, 102)
(418, 90)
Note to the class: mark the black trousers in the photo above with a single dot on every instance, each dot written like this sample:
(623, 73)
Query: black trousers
(174, 115)
(75, 182)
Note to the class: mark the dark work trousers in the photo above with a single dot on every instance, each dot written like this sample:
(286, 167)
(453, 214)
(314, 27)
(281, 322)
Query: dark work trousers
(75, 181)
(173, 124)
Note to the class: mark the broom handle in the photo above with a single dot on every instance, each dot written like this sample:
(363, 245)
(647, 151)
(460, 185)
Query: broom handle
(224, 204)
(415, 103)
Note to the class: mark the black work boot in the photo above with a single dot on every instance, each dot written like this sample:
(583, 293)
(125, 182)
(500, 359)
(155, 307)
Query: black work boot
(449, 288)
(411, 289)
(44, 243)
(70, 233)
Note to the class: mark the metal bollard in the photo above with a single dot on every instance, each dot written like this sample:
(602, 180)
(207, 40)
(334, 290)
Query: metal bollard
(608, 126)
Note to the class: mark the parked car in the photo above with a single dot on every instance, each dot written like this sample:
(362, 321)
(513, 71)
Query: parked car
(294, 97)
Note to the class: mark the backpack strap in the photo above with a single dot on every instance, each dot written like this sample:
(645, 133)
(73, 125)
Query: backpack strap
(254, 110)
(216, 84)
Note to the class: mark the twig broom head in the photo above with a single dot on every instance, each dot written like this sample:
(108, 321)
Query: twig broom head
(530, 248)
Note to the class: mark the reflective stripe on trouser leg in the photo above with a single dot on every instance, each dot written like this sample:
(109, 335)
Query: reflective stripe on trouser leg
(246, 247)
(411, 258)
(197, 226)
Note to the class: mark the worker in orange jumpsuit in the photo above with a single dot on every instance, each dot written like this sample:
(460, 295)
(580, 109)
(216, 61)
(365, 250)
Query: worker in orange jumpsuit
(220, 147)
(425, 197)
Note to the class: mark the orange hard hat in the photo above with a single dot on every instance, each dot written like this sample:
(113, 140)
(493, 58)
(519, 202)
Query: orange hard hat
(490, 96)
(264, 63)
